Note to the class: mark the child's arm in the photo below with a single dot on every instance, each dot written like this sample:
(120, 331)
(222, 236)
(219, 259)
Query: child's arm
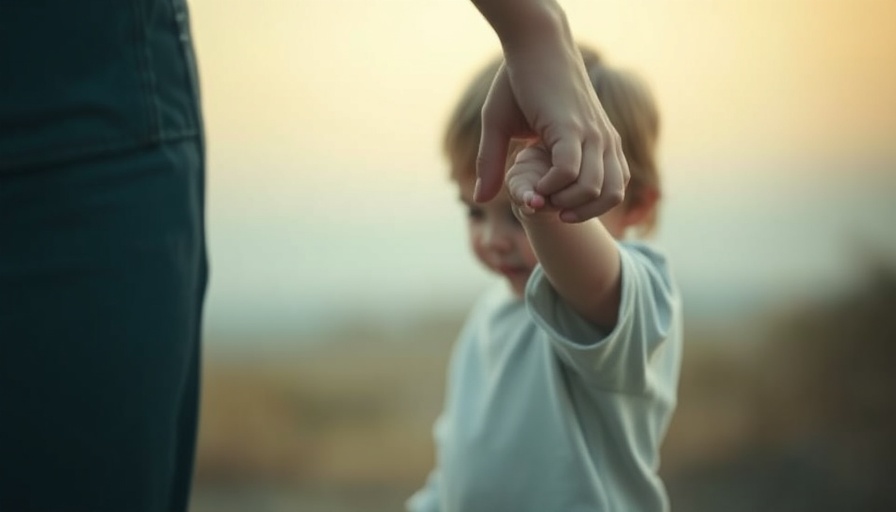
(581, 261)
(543, 92)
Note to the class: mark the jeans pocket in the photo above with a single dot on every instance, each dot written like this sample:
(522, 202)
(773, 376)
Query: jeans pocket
(81, 79)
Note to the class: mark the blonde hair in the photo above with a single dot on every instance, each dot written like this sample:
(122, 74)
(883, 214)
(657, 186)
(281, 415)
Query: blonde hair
(626, 99)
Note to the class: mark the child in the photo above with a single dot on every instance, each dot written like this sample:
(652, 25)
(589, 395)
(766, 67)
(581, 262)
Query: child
(562, 384)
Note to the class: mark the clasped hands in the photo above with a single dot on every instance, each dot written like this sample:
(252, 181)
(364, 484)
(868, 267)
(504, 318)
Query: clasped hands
(574, 163)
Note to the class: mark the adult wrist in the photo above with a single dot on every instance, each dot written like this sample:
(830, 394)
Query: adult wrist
(523, 24)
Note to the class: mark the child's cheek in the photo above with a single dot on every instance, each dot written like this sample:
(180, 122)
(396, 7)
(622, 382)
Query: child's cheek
(477, 247)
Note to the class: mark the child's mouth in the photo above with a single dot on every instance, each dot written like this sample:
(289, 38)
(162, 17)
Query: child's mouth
(512, 271)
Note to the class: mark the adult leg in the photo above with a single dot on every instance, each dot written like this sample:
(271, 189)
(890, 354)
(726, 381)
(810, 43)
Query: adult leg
(102, 274)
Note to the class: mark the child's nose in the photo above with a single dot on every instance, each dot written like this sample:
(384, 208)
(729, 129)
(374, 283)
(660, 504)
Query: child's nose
(497, 236)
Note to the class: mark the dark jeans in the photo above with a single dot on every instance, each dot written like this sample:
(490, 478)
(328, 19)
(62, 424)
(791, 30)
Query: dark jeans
(102, 255)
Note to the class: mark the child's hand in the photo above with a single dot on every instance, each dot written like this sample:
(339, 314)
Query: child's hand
(529, 167)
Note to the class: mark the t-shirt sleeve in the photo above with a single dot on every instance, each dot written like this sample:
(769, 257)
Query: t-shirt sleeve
(427, 498)
(619, 359)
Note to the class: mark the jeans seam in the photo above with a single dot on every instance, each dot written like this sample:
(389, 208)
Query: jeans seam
(69, 152)
(147, 77)
(188, 54)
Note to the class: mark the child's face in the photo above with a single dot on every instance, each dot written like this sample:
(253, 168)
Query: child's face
(497, 238)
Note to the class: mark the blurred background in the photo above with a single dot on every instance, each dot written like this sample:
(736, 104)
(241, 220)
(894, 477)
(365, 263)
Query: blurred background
(340, 271)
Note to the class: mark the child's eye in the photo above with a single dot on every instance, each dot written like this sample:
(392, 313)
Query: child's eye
(474, 213)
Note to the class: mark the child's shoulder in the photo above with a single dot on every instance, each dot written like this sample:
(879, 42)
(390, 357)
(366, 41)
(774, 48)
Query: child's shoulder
(644, 247)
(646, 253)
(646, 266)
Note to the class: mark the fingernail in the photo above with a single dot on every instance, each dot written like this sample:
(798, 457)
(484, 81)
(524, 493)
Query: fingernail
(476, 189)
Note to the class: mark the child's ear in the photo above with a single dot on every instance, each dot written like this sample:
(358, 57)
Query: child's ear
(640, 207)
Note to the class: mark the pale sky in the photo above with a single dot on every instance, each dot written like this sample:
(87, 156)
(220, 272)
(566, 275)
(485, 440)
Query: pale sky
(325, 115)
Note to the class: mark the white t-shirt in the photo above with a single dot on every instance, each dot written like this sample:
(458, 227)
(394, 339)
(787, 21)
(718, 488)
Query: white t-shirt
(546, 413)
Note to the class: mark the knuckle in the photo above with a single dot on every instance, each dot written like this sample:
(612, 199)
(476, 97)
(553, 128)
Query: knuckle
(566, 173)
(615, 138)
(577, 125)
(600, 141)
(592, 193)
(615, 197)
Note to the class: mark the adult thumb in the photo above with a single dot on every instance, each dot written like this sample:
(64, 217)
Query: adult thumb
(490, 162)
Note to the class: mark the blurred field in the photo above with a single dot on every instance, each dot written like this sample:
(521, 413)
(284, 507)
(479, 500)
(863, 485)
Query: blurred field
(341, 426)
(801, 417)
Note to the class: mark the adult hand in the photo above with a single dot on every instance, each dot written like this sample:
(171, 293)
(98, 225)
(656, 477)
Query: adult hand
(542, 92)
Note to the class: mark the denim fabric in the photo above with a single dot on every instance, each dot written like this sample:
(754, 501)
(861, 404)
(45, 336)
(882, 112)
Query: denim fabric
(102, 274)
(85, 77)
(102, 255)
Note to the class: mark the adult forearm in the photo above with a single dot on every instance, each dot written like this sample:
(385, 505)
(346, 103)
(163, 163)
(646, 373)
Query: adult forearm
(520, 23)
(582, 263)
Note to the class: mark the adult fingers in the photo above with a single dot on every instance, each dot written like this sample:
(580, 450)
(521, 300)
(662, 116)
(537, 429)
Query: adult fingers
(589, 184)
(566, 161)
(612, 191)
(491, 159)
(623, 162)
(500, 119)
